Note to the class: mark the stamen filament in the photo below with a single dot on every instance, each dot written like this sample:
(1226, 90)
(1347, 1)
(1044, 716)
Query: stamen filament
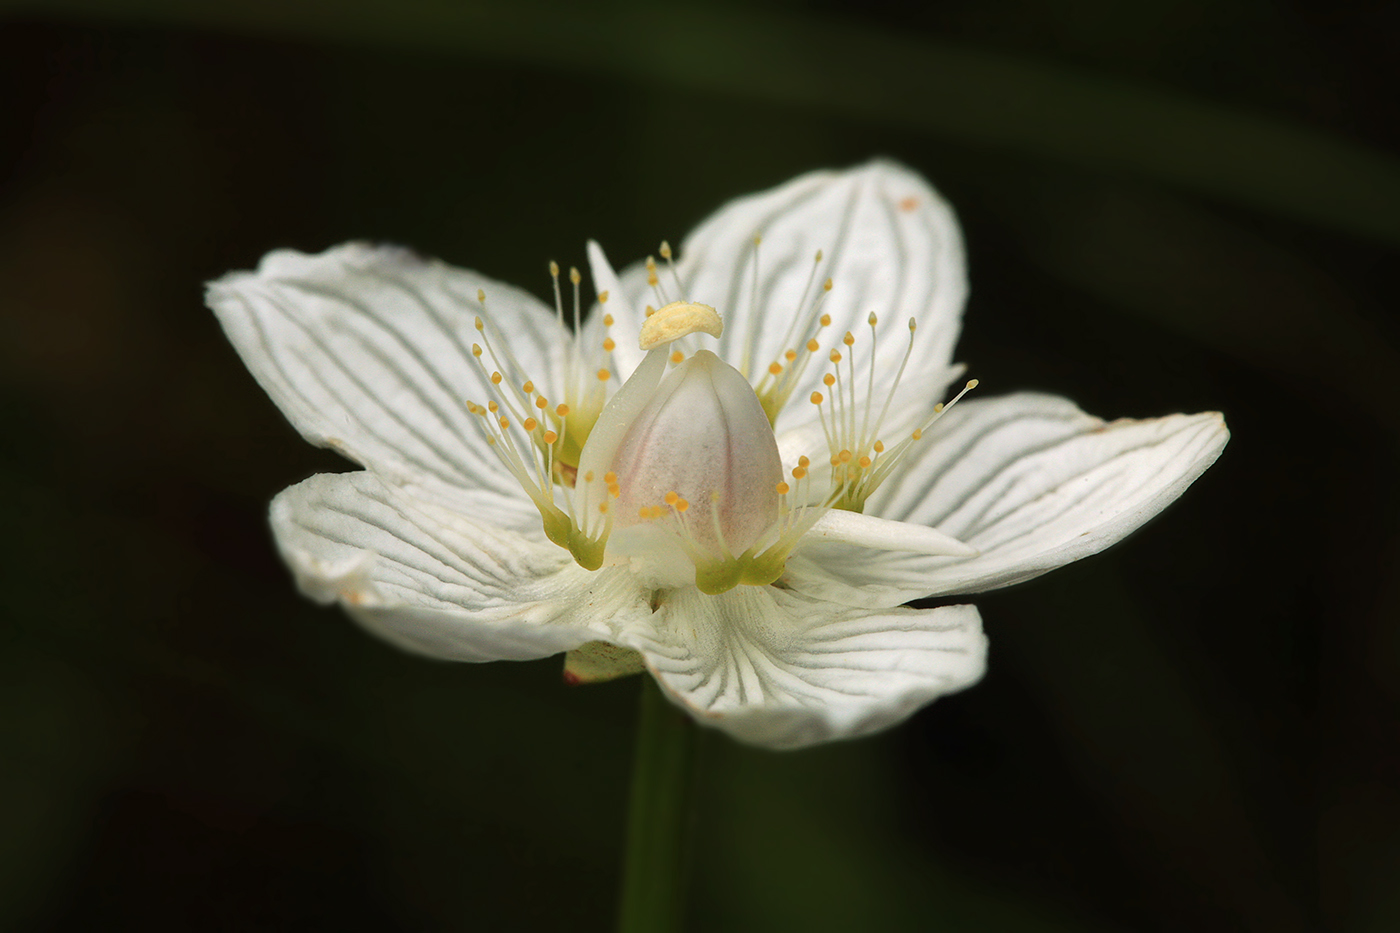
(675, 276)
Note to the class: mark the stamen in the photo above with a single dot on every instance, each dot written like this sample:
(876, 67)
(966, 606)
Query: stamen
(539, 444)
(558, 299)
(655, 282)
(776, 386)
(675, 276)
(575, 278)
(859, 460)
(797, 316)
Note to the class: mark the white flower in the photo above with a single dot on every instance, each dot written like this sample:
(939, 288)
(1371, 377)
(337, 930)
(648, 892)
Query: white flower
(738, 492)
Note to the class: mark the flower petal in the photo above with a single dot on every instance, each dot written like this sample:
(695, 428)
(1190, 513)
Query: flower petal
(437, 583)
(777, 669)
(890, 244)
(867, 531)
(367, 350)
(1030, 481)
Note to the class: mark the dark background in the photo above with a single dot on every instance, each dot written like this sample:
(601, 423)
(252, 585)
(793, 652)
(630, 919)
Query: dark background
(1169, 205)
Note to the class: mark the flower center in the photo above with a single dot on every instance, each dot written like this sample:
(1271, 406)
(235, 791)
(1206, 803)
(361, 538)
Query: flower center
(679, 471)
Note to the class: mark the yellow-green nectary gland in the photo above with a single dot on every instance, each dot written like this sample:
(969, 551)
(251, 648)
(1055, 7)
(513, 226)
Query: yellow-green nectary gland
(704, 437)
(573, 434)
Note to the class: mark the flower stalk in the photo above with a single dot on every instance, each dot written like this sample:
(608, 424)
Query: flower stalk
(660, 817)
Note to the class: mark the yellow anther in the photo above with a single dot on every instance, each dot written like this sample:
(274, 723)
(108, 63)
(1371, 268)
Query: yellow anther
(603, 508)
(775, 368)
(495, 379)
(913, 325)
(561, 410)
(610, 477)
(607, 320)
(644, 512)
(492, 407)
(917, 434)
(476, 350)
(845, 456)
(574, 275)
(588, 477)
(602, 298)
(835, 356)
(803, 462)
(550, 437)
(849, 340)
(665, 250)
(782, 489)
(879, 447)
(505, 423)
(864, 462)
(790, 355)
(826, 318)
(650, 310)
(757, 239)
(817, 398)
(671, 498)
(481, 297)
(528, 387)
(480, 325)
(609, 344)
(530, 424)
(682, 505)
(604, 375)
(826, 287)
(553, 267)
(872, 320)
(541, 403)
(828, 380)
(818, 257)
(938, 409)
(813, 346)
(677, 357)
(799, 472)
(972, 383)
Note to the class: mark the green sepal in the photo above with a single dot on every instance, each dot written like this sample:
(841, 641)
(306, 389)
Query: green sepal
(599, 661)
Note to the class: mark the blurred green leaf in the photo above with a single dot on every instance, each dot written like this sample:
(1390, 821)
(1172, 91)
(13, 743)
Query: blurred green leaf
(1172, 263)
(843, 68)
(816, 841)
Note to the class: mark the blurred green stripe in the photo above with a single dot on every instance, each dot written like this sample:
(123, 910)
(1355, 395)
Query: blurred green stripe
(841, 68)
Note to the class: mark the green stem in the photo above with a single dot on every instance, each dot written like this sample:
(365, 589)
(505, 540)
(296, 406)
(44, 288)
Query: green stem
(659, 817)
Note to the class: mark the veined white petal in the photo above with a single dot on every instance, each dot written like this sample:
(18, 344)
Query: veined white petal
(867, 531)
(890, 244)
(436, 583)
(367, 350)
(1031, 482)
(777, 669)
